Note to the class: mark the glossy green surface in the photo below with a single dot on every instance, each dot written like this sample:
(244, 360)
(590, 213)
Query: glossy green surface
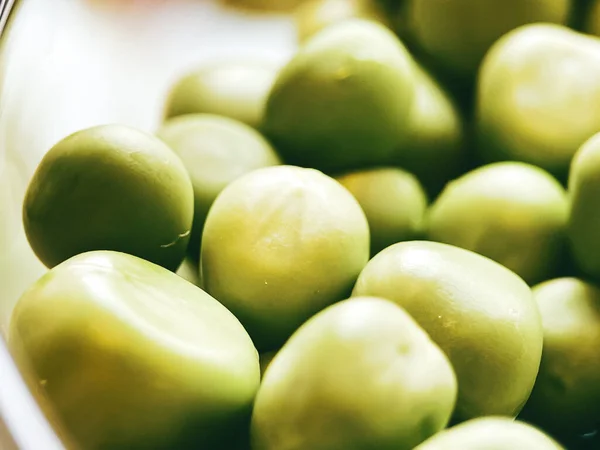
(539, 96)
(511, 212)
(110, 187)
(480, 313)
(215, 150)
(393, 201)
(340, 102)
(458, 33)
(566, 397)
(359, 375)
(280, 244)
(432, 144)
(584, 217)
(235, 89)
(491, 433)
(131, 356)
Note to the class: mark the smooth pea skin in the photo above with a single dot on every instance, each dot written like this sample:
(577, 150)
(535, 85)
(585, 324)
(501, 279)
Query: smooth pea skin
(432, 143)
(566, 396)
(215, 150)
(110, 187)
(539, 96)
(491, 433)
(359, 375)
(511, 212)
(234, 89)
(341, 100)
(479, 312)
(584, 214)
(128, 355)
(280, 244)
(458, 33)
(393, 201)
(314, 15)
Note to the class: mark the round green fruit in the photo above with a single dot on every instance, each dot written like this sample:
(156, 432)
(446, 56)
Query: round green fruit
(235, 89)
(566, 396)
(366, 371)
(458, 33)
(491, 433)
(584, 212)
(479, 312)
(393, 201)
(538, 96)
(128, 355)
(341, 101)
(110, 187)
(511, 212)
(280, 244)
